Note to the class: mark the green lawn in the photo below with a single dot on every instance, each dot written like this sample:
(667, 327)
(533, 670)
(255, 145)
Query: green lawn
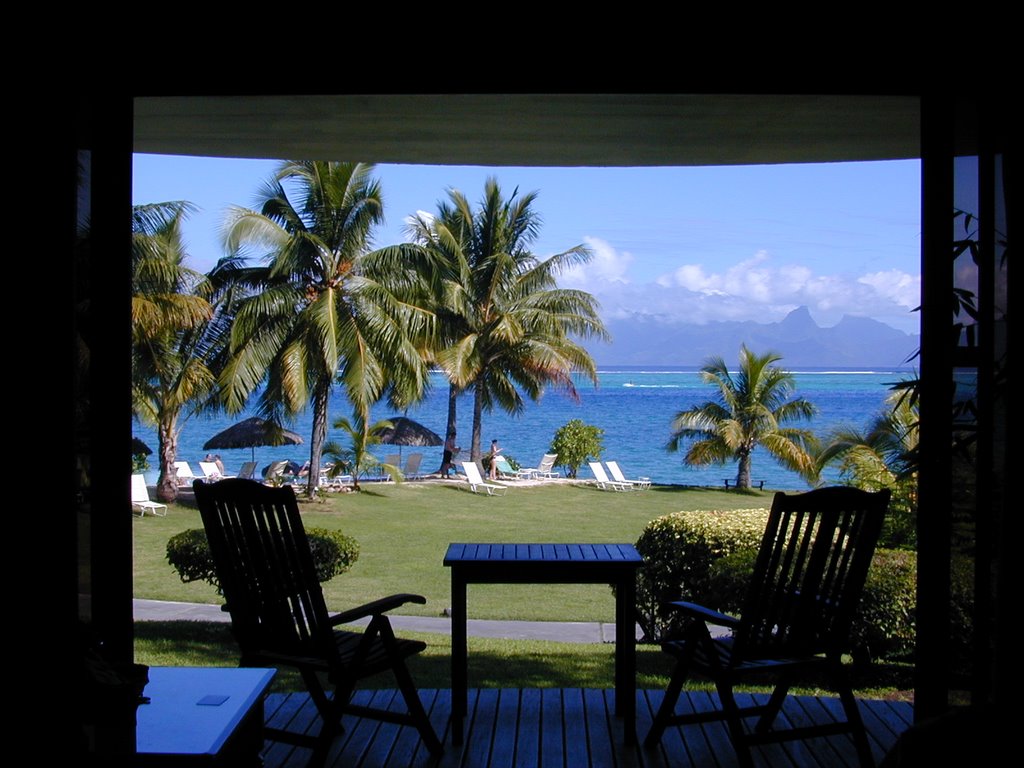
(403, 531)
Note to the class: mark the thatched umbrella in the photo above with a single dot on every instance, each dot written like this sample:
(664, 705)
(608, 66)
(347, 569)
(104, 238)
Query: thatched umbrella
(140, 447)
(250, 433)
(405, 431)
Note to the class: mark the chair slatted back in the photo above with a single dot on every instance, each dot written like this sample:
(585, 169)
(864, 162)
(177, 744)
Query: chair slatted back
(810, 572)
(265, 567)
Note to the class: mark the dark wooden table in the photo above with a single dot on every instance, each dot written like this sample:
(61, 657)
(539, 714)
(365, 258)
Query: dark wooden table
(614, 564)
(203, 715)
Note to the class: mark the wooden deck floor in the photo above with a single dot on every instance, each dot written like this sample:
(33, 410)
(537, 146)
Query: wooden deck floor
(574, 728)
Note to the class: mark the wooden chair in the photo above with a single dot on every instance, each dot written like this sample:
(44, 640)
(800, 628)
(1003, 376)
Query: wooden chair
(804, 591)
(279, 617)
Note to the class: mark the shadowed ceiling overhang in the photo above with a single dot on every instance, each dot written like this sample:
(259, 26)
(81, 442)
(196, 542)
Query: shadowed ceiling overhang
(539, 130)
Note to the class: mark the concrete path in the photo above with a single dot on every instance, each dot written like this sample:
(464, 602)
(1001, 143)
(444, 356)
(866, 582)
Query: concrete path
(566, 632)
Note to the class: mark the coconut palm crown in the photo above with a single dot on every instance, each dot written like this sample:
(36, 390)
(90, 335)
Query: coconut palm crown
(753, 408)
(328, 308)
(505, 328)
(171, 310)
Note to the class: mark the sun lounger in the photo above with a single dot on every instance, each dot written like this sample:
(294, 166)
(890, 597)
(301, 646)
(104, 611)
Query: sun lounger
(544, 470)
(184, 474)
(476, 482)
(211, 472)
(602, 479)
(412, 467)
(641, 483)
(505, 471)
(140, 498)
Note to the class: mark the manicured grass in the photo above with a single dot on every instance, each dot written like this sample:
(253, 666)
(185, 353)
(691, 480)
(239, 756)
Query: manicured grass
(403, 531)
(492, 663)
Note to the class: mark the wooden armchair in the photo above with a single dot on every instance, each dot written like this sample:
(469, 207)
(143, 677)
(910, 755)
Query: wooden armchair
(279, 617)
(804, 591)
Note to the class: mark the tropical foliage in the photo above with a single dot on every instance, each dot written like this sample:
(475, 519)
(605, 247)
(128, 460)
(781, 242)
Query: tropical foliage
(328, 308)
(753, 408)
(357, 459)
(883, 456)
(575, 443)
(171, 310)
(505, 328)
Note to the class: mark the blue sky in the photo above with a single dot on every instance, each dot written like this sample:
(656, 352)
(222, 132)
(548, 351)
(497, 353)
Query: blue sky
(696, 244)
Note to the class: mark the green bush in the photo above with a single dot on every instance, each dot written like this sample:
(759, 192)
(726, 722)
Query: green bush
(188, 553)
(884, 626)
(575, 443)
(679, 550)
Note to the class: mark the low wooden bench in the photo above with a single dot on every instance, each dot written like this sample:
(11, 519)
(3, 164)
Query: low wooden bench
(729, 483)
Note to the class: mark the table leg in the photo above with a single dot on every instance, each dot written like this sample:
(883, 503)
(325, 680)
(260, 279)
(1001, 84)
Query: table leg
(625, 656)
(460, 655)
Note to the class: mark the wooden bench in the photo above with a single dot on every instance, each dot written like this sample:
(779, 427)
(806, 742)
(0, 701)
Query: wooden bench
(732, 484)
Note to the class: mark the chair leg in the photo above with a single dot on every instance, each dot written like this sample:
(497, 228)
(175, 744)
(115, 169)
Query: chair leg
(853, 717)
(417, 714)
(416, 710)
(734, 719)
(773, 707)
(668, 705)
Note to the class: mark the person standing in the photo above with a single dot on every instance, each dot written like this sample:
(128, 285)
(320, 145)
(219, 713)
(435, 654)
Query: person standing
(450, 449)
(495, 452)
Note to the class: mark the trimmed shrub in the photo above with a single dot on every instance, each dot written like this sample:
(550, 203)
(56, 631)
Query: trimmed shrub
(188, 553)
(575, 443)
(680, 550)
(885, 623)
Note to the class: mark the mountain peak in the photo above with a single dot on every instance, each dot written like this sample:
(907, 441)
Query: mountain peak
(799, 320)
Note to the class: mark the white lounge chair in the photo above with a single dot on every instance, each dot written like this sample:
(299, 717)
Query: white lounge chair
(641, 483)
(412, 467)
(248, 471)
(140, 498)
(602, 479)
(476, 482)
(211, 472)
(546, 468)
(184, 474)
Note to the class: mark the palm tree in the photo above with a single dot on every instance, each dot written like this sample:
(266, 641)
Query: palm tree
(883, 456)
(752, 408)
(505, 328)
(327, 308)
(358, 459)
(170, 314)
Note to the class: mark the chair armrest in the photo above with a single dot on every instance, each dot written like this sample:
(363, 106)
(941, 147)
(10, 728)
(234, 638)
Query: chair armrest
(376, 607)
(706, 614)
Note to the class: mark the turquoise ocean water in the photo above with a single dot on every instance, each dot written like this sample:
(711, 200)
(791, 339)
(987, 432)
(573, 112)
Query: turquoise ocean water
(634, 407)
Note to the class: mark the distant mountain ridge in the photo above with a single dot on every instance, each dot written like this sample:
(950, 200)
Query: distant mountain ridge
(854, 342)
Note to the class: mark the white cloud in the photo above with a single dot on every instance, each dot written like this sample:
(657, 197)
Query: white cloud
(898, 286)
(608, 266)
(754, 289)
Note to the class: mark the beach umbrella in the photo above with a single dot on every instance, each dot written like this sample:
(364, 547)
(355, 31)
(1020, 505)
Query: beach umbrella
(406, 431)
(140, 447)
(250, 433)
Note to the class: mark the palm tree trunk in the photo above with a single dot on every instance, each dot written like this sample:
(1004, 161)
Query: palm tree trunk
(478, 409)
(317, 439)
(167, 484)
(450, 429)
(743, 470)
